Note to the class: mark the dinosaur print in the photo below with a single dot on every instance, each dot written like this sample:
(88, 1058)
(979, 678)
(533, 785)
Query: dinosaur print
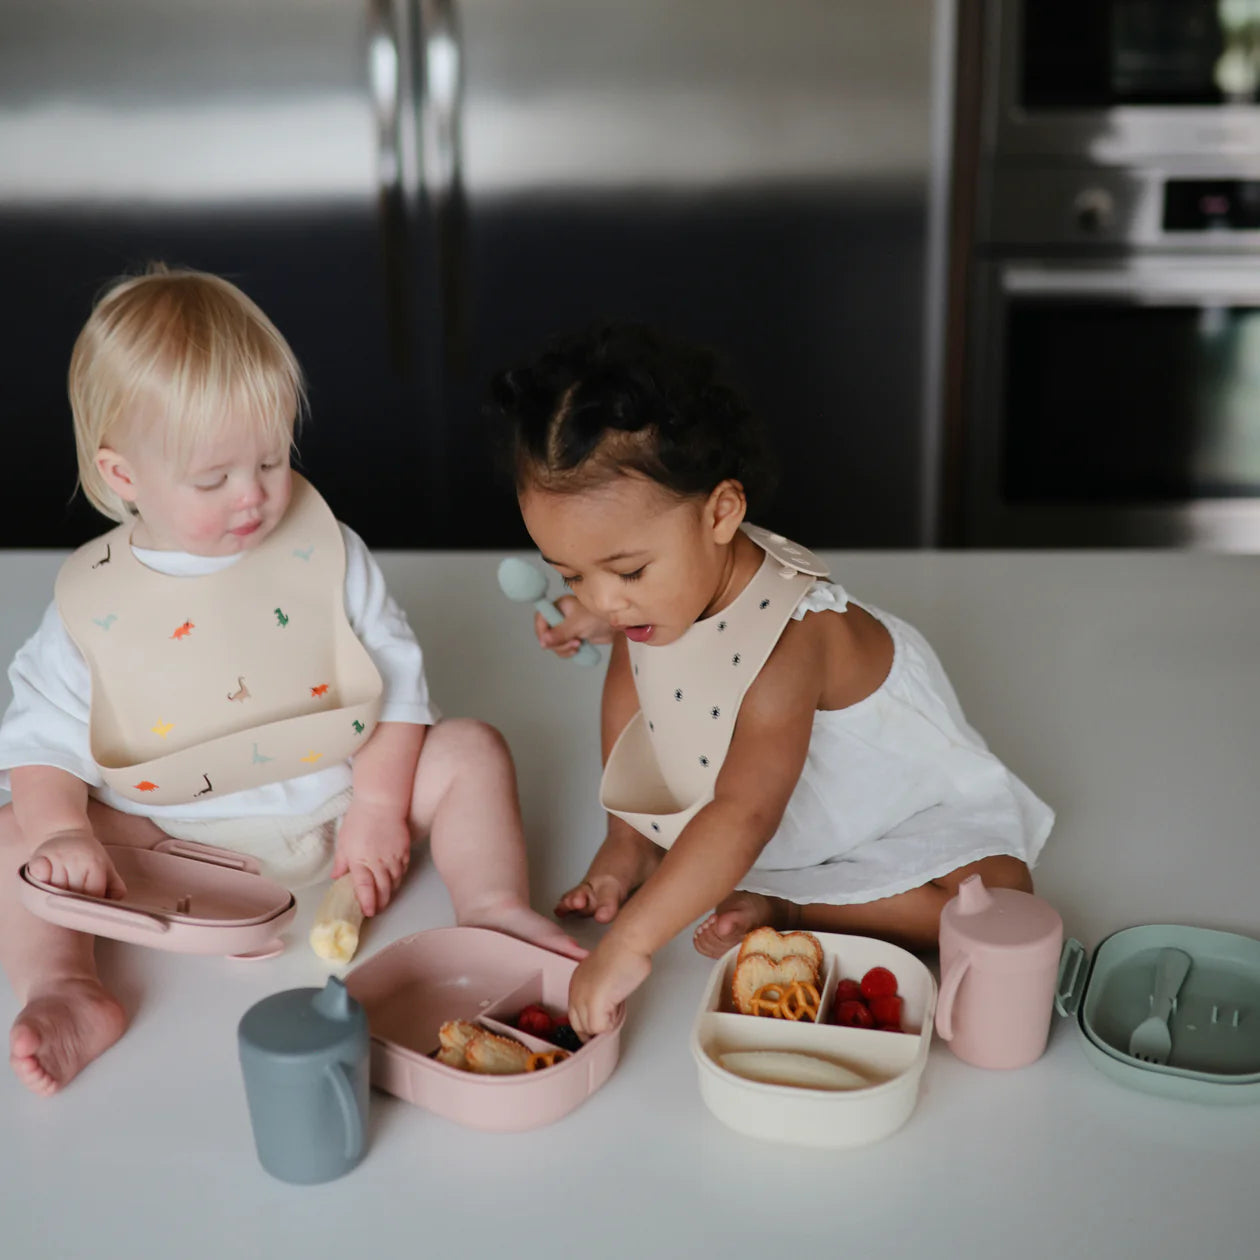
(106, 621)
(321, 690)
(208, 788)
(304, 555)
(282, 619)
(358, 726)
(182, 632)
(145, 786)
(241, 692)
(162, 728)
(311, 757)
(258, 759)
(103, 560)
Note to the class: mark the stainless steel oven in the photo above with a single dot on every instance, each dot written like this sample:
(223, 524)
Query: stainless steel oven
(1122, 80)
(1108, 363)
(1116, 402)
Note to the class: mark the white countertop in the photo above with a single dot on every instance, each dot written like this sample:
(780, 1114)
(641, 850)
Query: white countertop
(1124, 687)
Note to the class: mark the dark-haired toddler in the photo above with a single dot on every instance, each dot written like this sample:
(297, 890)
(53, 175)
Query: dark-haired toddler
(772, 748)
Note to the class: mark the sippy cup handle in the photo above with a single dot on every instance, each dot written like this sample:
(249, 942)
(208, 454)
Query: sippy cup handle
(950, 981)
(340, 1077)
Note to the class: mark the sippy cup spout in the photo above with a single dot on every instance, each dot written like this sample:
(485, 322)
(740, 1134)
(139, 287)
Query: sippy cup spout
(973, 896)
(332, 1001)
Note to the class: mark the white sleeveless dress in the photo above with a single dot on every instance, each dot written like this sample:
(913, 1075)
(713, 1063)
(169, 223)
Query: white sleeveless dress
(897, 789)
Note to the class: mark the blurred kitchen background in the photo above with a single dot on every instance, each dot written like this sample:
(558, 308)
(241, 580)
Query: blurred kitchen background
(987, 268)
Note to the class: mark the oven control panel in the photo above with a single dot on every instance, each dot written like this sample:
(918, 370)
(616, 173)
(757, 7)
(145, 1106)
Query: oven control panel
(1107, 209)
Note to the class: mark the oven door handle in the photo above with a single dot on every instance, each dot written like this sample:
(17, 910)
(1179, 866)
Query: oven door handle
(1200, 285)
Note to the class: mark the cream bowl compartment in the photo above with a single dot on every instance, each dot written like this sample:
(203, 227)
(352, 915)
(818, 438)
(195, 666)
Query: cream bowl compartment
(412, 987)
(892, 1062)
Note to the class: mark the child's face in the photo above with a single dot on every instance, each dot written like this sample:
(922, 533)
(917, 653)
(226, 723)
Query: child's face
(233, 493)
(642, 559)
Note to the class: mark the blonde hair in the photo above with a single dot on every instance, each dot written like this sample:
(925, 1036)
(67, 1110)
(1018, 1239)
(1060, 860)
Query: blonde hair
(161, 358)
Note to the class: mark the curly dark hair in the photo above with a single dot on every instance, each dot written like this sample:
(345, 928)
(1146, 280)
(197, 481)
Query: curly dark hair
(622, 398)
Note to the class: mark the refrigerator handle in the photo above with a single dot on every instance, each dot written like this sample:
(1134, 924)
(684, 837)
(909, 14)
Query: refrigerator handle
(384, 67)
(441, 100)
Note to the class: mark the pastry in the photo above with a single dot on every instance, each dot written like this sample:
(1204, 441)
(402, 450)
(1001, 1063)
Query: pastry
(776, 945)
(755, 971)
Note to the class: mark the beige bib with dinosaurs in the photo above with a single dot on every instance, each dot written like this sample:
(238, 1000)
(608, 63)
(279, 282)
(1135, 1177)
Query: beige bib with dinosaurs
(224, 681)
(663, 768)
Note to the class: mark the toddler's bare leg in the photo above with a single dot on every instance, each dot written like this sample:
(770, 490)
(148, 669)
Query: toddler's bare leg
(623, 862)
(910, 919)
(68, 1017)
(465, 800)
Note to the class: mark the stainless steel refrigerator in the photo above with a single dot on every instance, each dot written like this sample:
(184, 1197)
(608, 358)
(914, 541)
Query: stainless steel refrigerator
(420, 191)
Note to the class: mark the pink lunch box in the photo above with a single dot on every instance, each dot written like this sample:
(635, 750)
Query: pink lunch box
(411, 988)
(182, 896)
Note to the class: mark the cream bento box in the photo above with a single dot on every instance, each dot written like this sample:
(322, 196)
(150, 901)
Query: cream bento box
(892, 1062)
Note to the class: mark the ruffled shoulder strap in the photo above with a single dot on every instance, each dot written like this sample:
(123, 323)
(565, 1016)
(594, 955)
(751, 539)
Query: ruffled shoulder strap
(821, 597)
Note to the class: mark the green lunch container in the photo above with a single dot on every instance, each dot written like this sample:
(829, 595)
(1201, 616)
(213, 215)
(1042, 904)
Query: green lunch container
(1214, 1022)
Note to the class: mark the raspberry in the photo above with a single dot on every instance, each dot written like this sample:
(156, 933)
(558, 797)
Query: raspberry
(564, 1037)
(886, 1008)
(853, 1014)
(878, 982)
(848, 991)
(535, 1020)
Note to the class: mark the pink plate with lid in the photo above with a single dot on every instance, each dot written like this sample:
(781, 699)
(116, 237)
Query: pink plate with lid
(182, 896)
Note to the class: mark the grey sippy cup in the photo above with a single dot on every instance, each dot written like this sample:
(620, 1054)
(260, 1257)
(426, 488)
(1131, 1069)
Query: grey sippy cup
(304, 1056)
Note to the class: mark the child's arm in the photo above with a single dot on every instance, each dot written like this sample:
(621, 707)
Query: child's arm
(50, 806)
(617, 868)
(374, 843)
(719, 845)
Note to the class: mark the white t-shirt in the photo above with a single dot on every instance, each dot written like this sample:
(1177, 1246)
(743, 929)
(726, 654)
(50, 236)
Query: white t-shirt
(47, 722)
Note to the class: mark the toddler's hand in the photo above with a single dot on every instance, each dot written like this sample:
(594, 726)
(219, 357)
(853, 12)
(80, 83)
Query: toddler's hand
(578, 624)
(597, 897)
(77, 861)
(374, 845)
(602, 981)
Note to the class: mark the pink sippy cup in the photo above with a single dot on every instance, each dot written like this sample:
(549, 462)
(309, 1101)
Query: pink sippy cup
(999, 964)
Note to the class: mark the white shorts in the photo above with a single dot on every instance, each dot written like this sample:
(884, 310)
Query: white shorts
(294, 850)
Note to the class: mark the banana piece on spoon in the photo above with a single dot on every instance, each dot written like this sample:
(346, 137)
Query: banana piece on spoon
(335, 932)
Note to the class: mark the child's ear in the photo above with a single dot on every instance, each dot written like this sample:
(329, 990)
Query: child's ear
(727, 507)
(117, 473)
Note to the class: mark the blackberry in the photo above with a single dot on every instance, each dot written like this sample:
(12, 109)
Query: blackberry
(564, 1037)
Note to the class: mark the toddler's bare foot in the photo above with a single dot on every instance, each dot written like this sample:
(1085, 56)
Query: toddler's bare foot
(517, 919)
(736, 916)
(60, 1031)
(621, 865)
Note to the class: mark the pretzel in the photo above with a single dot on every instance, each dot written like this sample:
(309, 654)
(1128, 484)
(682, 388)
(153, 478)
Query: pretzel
(798, 1000)
(545, 1059)
(768, 1000)
(801, 1001)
